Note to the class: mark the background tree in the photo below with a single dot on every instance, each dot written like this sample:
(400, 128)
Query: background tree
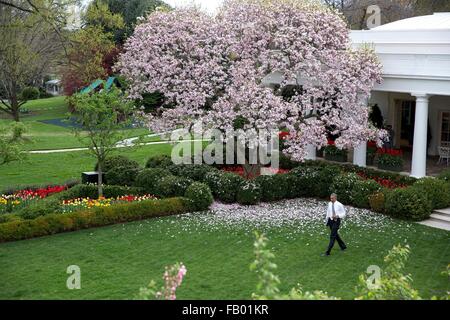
(131, 10)
(92, 52)
(11, 140)
(29, 45)
(101, 116)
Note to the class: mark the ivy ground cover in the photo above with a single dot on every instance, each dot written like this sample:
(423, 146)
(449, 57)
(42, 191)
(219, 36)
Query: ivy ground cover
(217, 248)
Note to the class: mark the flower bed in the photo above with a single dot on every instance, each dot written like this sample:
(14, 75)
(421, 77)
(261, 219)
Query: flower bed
(87, 203)
(23, 198)
(386, 183)
(390, 159)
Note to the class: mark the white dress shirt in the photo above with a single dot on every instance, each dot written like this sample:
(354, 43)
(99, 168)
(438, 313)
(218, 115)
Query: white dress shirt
(339, 209)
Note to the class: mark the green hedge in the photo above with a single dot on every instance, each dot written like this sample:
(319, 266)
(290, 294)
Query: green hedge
(200, 196)
(408, 203)
(273, 188)
(249, 193)
(147, 179)
(101, 216)
(438, 191)
(91, 191)
(160, 161)
(224, 185)
(172, 186)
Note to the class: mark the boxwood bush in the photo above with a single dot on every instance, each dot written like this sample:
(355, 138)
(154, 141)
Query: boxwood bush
(91, 191)
(122, 176)
(273, 187)
(147, 179)
(343, 185)
(408, 203)
(100, 216)
(200, 196)
(172, 186)
(438, 191)
(249, 193)
(117, 161)
(195, 172)
(306, 179)
(362, 190)
(224, 185)
(159, 161)
(445, 175)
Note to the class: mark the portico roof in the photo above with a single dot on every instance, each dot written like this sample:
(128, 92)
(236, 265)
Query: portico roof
(436, 21)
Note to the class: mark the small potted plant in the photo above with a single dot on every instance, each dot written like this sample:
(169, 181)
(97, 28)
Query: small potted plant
(390, 160)
(332, 153)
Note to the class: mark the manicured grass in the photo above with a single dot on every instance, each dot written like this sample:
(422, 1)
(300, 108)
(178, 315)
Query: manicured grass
(60, 167)
(45, 136)
(116, 261)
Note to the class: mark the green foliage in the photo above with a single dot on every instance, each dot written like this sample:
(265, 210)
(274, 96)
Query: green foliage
(200, 196)
(287, 163)
(408, 203)
(120, 170)
(273, 187)
(387, 161)
(159, 161)
(445, 175)
(224, 185)
(97, 217)
(39, 208)
(438, 191)
(249, 193)
(101, 116)
(362, 191)
(195, 172)
(11, 141)
(30, 93)
(343, 185)
(305, 183)
(393, 283)
(377, 201)
(147, 179)
(172, 186)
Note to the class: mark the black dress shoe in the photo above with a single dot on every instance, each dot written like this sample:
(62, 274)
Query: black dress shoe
(343, 249)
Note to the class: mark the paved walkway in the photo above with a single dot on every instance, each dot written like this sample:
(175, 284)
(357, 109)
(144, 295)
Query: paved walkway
(440, 219)
(121, 144)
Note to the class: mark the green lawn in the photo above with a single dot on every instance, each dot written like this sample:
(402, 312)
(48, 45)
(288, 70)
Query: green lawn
(116, 261)
(60, 167)
(45, 136)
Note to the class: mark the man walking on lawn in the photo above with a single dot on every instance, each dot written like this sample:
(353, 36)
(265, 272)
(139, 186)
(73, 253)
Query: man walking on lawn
(335, 213)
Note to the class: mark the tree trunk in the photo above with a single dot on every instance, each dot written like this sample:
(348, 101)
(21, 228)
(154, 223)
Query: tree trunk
(15, 108)
(251, 170)
(100, 179)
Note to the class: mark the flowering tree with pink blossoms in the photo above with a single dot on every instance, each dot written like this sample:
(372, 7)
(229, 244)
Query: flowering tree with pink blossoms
(217, 69)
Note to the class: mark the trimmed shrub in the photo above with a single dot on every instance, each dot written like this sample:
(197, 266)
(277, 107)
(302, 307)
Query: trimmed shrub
(273, 187)
(196, 172)
(224, 185)
(91, 191)
(362, 191)
(306, 179)
(30, 93)
(200, 196)
(249, 193)
(122, 176)
(326, 175)
(343, 185)
(445, 175)
(287, 163)
(293, 187)
(438, 191)
(101, 216)
(172, 186)
(9, 217)
(408, 203)
(116, 162)
(147, 179)
(160, 161)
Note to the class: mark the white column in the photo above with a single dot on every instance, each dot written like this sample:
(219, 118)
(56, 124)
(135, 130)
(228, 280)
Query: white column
(360, 155)
(312, 152)
(419, 157)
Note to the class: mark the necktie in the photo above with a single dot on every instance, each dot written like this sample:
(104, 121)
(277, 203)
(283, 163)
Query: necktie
(334, 212)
